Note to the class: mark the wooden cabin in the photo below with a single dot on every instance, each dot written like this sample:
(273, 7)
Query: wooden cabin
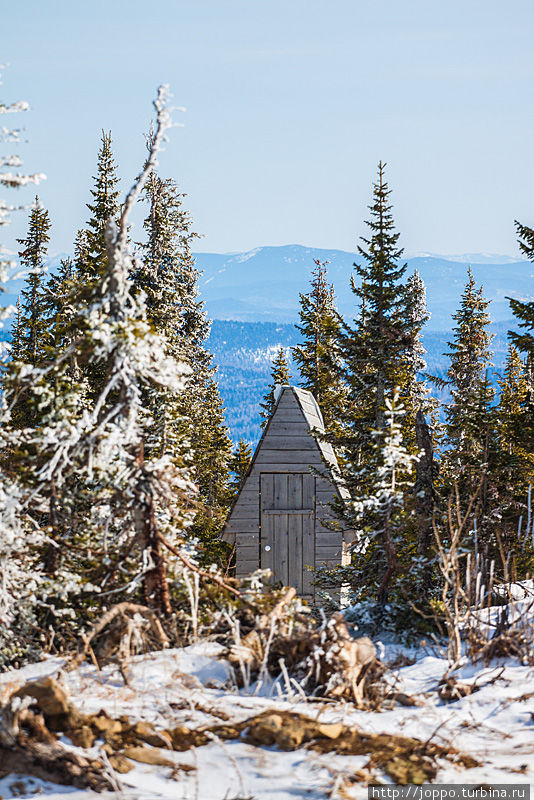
(279, 519)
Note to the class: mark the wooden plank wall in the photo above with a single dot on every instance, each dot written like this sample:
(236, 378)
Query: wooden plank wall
(286, 446)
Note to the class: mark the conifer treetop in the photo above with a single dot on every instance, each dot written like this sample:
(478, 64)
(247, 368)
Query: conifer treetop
(380, 250)
(31, 322)
(280, 376)
(524, 311)
(318, 355)
(470, 352)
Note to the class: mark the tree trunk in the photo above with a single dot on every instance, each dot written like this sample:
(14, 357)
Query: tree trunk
(155, 584)
(424, 494)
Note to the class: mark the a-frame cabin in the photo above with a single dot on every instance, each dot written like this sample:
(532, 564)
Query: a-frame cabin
(279, 519)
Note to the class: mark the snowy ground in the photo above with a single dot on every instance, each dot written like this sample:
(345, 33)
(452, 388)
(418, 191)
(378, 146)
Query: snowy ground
(188, 687)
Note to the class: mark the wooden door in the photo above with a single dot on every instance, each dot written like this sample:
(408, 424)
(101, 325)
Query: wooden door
(287, 533)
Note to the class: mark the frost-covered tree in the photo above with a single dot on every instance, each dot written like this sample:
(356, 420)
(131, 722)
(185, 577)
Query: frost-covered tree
(85, 466)
(415, 390)
(168, 277)
(280, 376)
(11, 178)
(383, 557)
(20, 576)
(318, 357)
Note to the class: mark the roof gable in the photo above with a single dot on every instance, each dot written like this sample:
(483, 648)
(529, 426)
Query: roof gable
(290, 432)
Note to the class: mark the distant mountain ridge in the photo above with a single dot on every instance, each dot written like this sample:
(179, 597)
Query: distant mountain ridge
(264, 284)
(253, 298)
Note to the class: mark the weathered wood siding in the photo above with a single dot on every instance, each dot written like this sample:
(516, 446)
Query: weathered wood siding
(281, 478)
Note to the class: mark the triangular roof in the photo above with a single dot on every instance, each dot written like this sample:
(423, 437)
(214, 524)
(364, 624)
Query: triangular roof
(313, 420)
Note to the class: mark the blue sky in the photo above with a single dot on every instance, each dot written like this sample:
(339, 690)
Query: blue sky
(290, 105)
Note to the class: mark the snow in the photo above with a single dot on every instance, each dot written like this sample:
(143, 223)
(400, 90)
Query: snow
(192, 686)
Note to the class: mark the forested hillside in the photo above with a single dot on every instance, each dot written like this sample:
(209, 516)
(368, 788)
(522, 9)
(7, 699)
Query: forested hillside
(243, 352)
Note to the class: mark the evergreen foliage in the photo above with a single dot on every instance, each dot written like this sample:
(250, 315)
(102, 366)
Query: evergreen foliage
(32, 321)
(385, 568)
(280, 376)
(168, 277)
(512, 464)
(382, 351)
(318, 358)
(239, 464)
(415, 388)
(382, 358)
(116, 467)
(524, 310)
(107, 508)
(92, 262)
(469, 414)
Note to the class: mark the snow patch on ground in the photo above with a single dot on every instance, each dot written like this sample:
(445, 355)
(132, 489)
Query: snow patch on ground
(191, 686)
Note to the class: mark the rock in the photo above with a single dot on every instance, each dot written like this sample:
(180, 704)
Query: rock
(52, 701)
(183, 768)
(183, 738)
(82, 737)
(103, 724)
(331, 730)
(451, 689)
(148, 755)
(50, 697)
(120, 763)
(286, 732)
(146, 732)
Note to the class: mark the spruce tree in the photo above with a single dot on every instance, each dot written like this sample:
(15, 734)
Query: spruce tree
(381, 350)
(513, 461)
(59, 303)
(32, 258)
(524, 311)
(105, 206)
(468, 414)
(318, 356)
(17, 333)
(239, 464)
(382, 357)
(382, 565)
(414, 387)
(280, 376)
(29, 333)
(211, 456)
